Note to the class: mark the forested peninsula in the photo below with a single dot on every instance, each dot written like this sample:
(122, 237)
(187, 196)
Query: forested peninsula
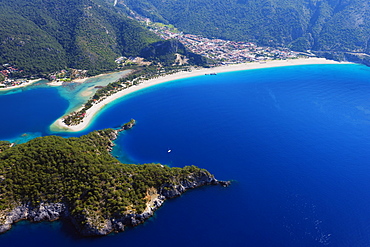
(51, 177)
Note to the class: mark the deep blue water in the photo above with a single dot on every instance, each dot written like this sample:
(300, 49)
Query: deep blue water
(30, 112)
(295, 140)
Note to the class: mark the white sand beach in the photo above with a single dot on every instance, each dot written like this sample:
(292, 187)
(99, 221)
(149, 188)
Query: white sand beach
(60, 83)
(55, 83)
(83, 80)
(91, 112)
(29, 82)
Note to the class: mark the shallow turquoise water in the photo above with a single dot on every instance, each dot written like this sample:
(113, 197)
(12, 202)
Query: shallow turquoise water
(78, 93)
(295, 140)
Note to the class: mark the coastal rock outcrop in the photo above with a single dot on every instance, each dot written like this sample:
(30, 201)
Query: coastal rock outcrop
(93, 226)
(170, 190)
(96, 226)
(43, 212)
(51, 177)
(128, 125)
(113, 135)
(167, 191)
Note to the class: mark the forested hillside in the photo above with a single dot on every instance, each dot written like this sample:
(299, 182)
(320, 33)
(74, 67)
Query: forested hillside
(78, 171)
(79, 179)
(163, 51)
(320, 25)
(40, 36)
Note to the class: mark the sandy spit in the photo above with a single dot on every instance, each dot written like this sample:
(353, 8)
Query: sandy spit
(91, 112)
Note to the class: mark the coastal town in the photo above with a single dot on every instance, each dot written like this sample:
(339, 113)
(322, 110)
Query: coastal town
(219, 50)
(9, 77)
(66, 75)
(224, 51)
(6, 72)
(9, 83)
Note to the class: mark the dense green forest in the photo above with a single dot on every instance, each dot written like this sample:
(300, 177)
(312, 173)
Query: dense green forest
(320, 25)
(41, 36)
(163, 52)
(81, 173)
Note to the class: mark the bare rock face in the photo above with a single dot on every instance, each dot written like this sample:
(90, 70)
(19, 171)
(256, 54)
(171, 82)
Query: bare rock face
(95, 225)
(97, 230)
(8, 218)
(171, 190)
(48, 212)
(167, 191)
(90, 222)
(136, 219)
(44, 212)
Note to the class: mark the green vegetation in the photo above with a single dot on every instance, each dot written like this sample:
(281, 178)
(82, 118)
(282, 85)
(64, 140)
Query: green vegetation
(42, 36)
(81, 173)
(164, 52)
(129, 124)
(141, 74)
(320, 25)
(4, 145)
(170, 27)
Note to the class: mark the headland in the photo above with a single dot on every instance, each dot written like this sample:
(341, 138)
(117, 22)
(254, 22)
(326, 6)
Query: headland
(111, 197)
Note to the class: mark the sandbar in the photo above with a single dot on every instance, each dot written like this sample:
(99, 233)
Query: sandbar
(91, 112)
(61, 82)
(83, 80)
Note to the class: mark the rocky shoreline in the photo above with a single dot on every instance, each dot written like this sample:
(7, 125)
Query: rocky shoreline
(55, 211)
(44, 212)
(89, 223)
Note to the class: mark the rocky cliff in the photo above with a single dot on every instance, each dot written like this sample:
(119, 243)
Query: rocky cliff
(43, 212)
(167, 191)
(55, 211)
(51, 177)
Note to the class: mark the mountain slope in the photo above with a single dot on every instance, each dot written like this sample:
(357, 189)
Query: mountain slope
(165, 53)
(327, 25)
(43, 36)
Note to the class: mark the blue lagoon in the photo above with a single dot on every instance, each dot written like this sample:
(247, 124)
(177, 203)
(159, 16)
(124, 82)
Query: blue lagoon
(294, 140)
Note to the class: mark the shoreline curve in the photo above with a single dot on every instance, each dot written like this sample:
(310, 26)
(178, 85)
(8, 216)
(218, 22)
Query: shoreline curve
(60, 126)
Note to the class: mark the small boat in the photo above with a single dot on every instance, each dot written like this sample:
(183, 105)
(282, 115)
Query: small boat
(169, 151)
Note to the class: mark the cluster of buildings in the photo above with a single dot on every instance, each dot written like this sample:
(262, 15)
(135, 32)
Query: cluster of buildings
(223, 51)
(68, 75)
(12, 82)
(5, 73)
(7, 80)
(8, 69)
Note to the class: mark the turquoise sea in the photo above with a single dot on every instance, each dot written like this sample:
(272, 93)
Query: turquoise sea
(294, 140)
